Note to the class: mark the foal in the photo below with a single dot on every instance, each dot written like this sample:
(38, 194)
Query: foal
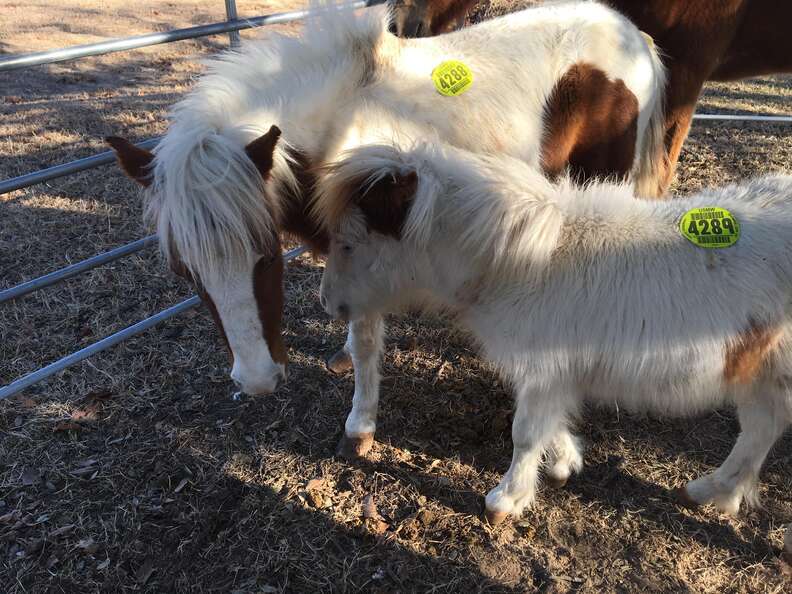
(579, 293)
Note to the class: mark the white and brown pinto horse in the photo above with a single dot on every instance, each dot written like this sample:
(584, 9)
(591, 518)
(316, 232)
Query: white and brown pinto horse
(564, 88)
(700, 40)
(577, 294)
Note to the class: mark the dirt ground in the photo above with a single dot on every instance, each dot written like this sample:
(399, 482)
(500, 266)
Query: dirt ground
(135, 471)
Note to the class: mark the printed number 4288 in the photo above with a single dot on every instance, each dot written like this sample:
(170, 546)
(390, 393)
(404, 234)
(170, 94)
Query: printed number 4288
(454, 75)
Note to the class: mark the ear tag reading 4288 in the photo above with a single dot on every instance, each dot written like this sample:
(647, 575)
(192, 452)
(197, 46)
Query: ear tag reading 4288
(710, 227)
(452, 78)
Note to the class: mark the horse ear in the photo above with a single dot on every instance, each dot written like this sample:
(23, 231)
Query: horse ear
(134, 160)
(262, 150)
(386, 204)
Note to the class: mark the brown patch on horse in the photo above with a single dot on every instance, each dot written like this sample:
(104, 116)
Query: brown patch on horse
(747, 355)
(298, 220)
(268, 290)
(135, 161)
(591, 125)
(423, 18)
(262, 151)
(384, 203)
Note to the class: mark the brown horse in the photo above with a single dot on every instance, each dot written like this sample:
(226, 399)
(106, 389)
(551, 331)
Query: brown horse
(700, 39)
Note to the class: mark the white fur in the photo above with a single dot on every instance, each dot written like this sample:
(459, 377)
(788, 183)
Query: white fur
(580, 293)
(347, 81)
(253, 370)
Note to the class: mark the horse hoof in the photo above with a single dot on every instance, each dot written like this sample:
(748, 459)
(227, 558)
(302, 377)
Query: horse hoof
(682, 497)
(494, 518)
(339, 363)
(557, 482)
(352, 448)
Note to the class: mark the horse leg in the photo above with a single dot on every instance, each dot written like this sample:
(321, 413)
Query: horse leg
(762, 423)
(564, 458)
(365, 344)
(540, 417)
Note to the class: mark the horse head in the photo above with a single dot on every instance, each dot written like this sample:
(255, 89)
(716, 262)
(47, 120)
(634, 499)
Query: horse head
(217, 233)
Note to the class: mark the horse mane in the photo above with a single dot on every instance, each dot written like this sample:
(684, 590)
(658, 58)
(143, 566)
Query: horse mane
(500, 209)
(207, 200)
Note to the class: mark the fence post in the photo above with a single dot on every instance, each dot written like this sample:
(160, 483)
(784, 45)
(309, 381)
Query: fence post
(231, 15)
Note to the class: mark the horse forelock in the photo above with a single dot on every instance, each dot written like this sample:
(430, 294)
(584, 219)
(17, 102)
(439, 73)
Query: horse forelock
(211, 209)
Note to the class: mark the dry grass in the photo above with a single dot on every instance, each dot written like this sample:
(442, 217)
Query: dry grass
(135, 471)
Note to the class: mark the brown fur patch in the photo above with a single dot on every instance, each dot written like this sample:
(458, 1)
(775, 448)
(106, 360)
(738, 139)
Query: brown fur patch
(262, 150)
(298, 218)
(384, 204)
(591, 125)
(268, 289)
(747, 355)
(135, 161)
(422, 18)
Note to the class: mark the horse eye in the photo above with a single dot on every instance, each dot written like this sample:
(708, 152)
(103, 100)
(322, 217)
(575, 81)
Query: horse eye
(346, 248)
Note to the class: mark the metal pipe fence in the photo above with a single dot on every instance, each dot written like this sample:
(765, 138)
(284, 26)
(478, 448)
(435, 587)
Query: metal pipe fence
(75, 269)
(138, 41)
(42, 175)
(231, 15)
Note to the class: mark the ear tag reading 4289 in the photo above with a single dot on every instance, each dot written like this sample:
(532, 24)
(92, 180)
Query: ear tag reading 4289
(452, 78)
(710, 227)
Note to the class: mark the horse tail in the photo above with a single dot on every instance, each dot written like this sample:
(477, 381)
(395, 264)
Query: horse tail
(650, 168)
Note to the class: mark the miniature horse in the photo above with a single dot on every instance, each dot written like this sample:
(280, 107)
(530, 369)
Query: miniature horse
(563, 87)
(700, 40)
(579, 294)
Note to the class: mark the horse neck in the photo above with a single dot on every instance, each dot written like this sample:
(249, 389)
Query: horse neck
(297, 219)
(489, 238)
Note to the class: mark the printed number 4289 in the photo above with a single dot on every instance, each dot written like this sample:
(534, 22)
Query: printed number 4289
(711, 226)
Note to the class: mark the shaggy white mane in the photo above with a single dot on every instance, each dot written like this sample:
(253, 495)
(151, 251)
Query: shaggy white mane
(509, 219)
(207, 200)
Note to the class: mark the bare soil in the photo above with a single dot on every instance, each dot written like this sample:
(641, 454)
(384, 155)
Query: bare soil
(135, 471)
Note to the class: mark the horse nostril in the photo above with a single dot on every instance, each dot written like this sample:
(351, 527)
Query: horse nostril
(323, 301)
(343, 311)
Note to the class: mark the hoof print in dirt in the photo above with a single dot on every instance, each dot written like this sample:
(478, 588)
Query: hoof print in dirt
(339, 363)
(353, 448)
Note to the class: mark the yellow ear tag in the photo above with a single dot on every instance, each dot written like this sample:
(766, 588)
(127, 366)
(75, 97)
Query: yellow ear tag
(452, 78)
(710, 227)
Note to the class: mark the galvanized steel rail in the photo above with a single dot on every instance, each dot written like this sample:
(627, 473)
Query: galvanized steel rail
(138, 41)
(110, 341)
(75, 269)
(42, 175)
